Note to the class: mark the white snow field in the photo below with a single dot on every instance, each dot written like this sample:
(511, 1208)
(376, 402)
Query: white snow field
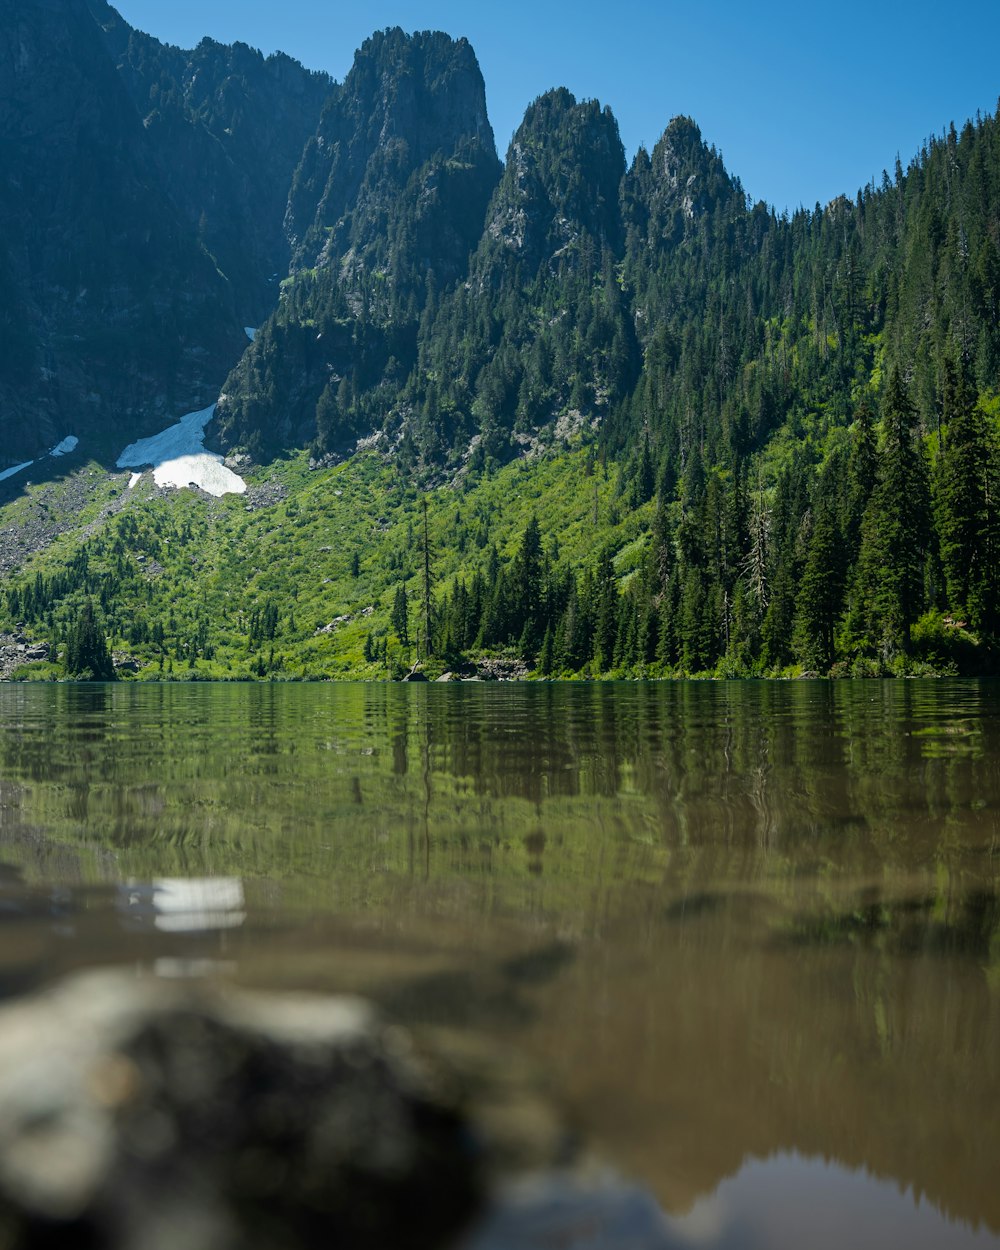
(178, 458)
(17, 468)
(62, 448)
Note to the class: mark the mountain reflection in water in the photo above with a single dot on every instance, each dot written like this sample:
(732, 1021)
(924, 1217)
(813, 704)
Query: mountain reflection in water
(786, 1200)
(792, 1200)
(730, 922)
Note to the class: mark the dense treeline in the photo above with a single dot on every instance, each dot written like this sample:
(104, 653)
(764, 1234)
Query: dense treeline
(880, 559)
(814, 407)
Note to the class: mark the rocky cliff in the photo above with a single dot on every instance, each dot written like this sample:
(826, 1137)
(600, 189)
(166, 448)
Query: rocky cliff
(385, 207)
(142, 204)
(113, 308)
(226, 128)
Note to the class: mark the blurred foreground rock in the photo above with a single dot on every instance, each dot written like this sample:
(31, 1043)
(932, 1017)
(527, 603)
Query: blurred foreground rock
(137, 1113)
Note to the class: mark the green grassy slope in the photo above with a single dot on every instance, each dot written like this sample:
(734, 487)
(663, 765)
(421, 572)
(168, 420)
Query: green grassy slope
(290, 581)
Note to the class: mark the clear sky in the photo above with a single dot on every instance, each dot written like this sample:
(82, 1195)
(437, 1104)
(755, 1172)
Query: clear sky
(806, 100)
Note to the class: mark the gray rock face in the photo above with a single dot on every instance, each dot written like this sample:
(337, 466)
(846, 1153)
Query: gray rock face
(142, 1114)
(667, 196)
(226, 128)
(107, 299)
(562, 176)
(385, 206)
(142, 204)
(16, 651)
(409, 120)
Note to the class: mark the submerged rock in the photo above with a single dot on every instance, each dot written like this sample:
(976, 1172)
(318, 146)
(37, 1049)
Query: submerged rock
(137, 1113)
(573, 1212)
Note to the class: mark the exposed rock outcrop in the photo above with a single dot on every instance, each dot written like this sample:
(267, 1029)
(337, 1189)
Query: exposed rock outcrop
(404, 142)
(561, 180)
(16, 650)
(226, 127)
(385, 207)
(141, 218)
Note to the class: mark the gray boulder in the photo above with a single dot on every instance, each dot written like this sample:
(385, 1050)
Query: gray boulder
(137, 1113)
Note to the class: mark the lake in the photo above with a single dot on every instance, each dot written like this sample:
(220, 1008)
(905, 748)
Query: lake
(749, 933)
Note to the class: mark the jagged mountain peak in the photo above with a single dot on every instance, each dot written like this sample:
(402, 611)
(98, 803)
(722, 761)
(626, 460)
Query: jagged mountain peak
(573, 129)
(669, 192)
(685, 166)
(407, 100)
(426, 68)
(563, 170)
(386, 206)
(560, 102)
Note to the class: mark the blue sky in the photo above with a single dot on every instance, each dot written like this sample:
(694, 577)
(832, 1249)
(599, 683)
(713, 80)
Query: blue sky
(805, 100)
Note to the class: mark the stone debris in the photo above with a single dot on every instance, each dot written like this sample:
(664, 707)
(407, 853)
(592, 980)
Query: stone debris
(501, 668)
(332, 626)
(16, 650)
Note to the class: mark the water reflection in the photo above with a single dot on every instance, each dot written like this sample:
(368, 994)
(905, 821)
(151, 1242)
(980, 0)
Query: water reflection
(784, 1200)
(731, 921)
(792, 1200)
(184, 904)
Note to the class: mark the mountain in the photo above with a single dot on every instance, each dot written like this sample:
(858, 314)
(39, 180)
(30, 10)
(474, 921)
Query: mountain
(540, 328)
(385, 207)
(395, 173)
(226, 128)
(96, 258)
(661, 429)
(141, 213)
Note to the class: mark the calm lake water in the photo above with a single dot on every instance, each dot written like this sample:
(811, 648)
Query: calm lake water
(750, 932)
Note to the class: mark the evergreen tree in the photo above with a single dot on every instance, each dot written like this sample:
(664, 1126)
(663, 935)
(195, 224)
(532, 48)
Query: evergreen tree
(428, 606)
(818, 602)
(896, 528)
(399, 617)
(605, 602)
(87, 657)
(528, 607)
(965, 504)
(862, 472)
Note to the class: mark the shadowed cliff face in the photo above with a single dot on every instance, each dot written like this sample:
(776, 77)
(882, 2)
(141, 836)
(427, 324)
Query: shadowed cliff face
(118, 310)
(226, 128)
(141, 216)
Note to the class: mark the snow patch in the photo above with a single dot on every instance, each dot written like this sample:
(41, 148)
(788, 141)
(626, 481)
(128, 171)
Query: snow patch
(250, 332)
(18, 468)
(134, 480)
(68, 444)
(178, 458)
